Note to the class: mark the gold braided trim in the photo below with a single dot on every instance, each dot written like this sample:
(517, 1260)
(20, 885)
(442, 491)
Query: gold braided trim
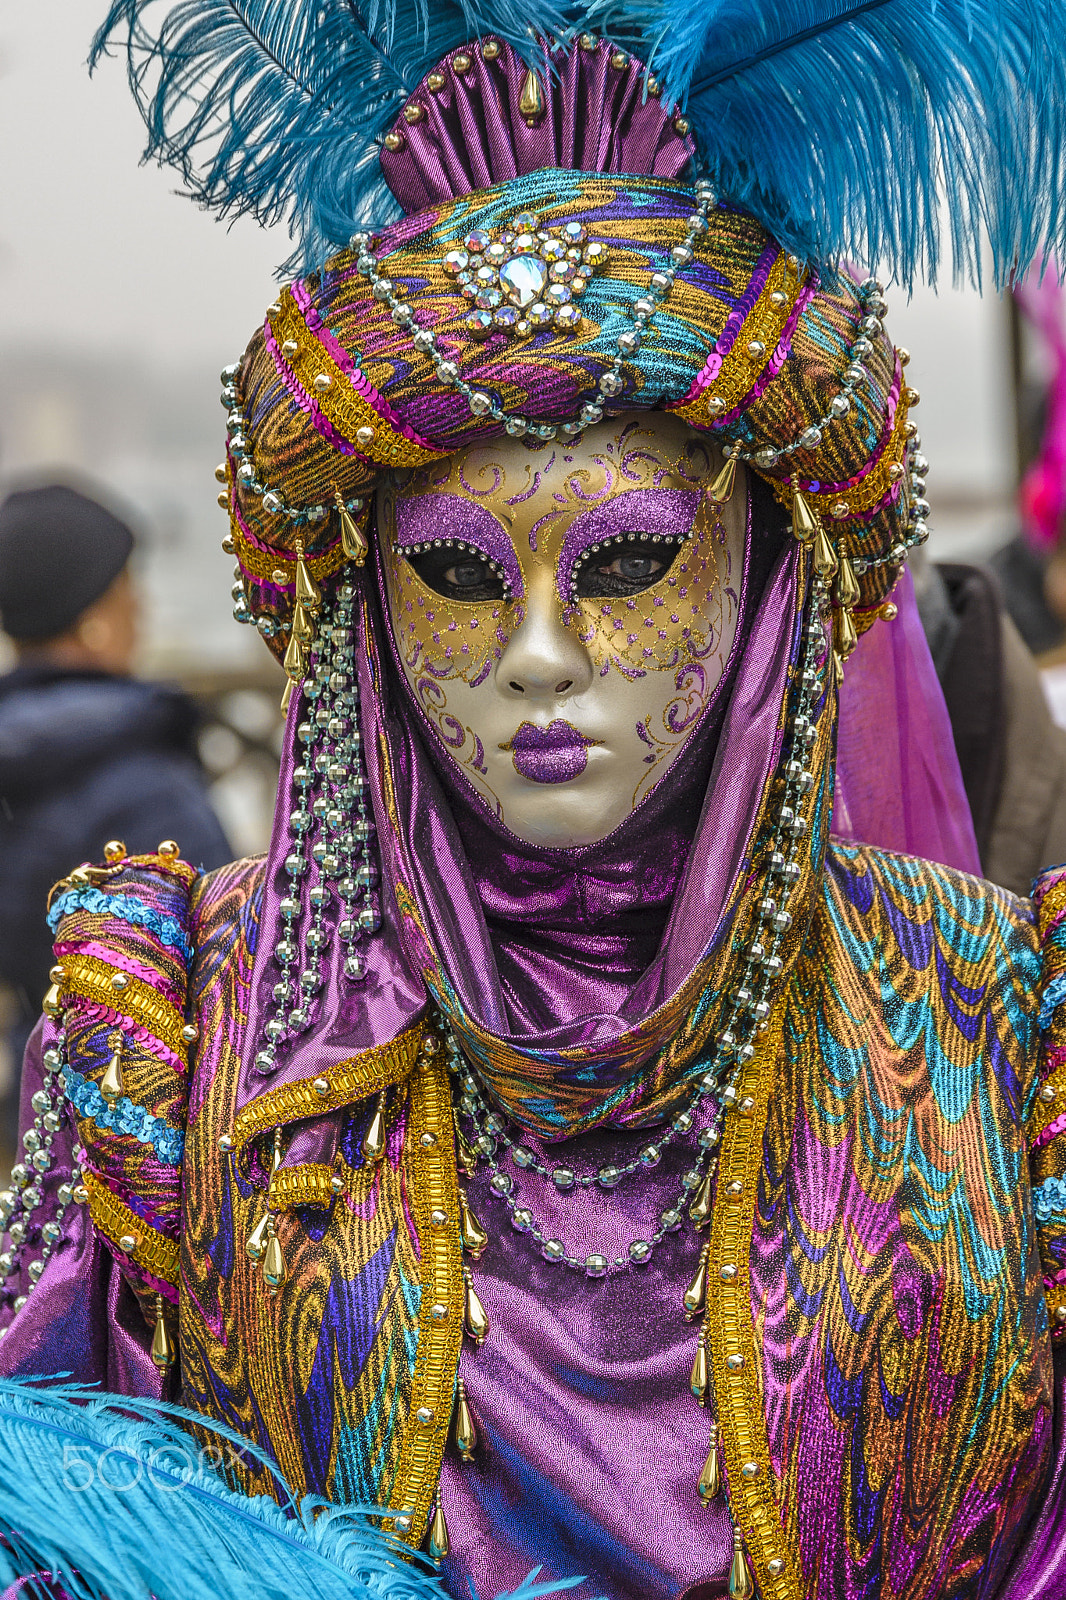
(1055, 1299)
(310, 1184)
(152, 1251)
(730, 1333)
(429, 1150)
(264, 563)
(351, 1080)
(764, 325)
(837, 505)
(93, 979)
(864, 617)
(341, 403)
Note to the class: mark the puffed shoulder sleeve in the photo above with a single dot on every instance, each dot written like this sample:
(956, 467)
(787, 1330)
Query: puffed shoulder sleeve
(1047, 1119)
(105, 1103)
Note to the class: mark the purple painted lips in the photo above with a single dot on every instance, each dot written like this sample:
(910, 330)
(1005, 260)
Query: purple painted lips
(554, 754)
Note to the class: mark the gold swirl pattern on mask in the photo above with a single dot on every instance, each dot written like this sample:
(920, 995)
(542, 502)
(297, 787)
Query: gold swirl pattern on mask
(347, 411)
(752, 350)
(674, 619)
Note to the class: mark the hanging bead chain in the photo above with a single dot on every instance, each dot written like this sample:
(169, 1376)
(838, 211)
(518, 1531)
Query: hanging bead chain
(20, 1203)
(747, 1014)
(332, 830)
(611, 383)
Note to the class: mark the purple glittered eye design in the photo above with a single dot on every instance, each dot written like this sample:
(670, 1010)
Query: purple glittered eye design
(665, 516)
(449, 521)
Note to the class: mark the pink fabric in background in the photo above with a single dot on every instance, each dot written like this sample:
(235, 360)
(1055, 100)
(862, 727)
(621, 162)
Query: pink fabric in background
(898, 783)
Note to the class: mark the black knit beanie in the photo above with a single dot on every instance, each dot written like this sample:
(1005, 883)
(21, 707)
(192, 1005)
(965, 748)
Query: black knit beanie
(59, 551)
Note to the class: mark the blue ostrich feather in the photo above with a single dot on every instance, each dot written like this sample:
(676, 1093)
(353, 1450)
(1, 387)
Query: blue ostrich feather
(878, 130)
(277, 107)
(114, 1499)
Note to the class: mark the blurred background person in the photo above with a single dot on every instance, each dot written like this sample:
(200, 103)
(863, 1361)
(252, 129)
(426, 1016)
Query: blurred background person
(88, 753)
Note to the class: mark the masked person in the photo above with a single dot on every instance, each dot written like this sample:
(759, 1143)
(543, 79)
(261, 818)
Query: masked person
(563, 1141)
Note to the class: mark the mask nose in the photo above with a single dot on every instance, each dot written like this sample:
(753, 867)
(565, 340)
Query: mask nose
(543, 659)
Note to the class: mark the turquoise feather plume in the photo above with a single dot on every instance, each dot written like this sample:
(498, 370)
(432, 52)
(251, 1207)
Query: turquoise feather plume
(276, 107)
(875, 129)
(894, 132)
(114, 1498)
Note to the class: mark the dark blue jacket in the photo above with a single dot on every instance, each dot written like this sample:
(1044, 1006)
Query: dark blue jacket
(87, 757)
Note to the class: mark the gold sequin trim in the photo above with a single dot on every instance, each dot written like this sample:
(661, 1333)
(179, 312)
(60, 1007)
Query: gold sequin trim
(1050, 1102)
(1056, 1304)
(763, 326)
(342, 404)
(350, 1080)
(93, 979)
(429, 1148)
(113, 1217)
(310, 1184)
(730, 1333)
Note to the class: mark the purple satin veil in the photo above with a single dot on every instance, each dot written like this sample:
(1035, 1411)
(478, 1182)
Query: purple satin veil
(898, 783)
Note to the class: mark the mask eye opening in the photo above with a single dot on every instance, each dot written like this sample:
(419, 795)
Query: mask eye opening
(635, 545)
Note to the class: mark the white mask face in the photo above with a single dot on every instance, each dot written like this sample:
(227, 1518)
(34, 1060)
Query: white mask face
(564, 613)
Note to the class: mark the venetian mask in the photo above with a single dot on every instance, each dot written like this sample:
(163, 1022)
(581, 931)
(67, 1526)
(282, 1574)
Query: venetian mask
(563, 614)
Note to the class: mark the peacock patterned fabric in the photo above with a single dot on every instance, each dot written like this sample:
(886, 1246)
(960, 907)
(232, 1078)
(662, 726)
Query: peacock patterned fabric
(887, 1258)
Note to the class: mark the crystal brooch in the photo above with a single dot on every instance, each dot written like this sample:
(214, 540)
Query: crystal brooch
(524, 277)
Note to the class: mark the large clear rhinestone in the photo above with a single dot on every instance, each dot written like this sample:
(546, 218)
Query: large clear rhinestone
(523, 279)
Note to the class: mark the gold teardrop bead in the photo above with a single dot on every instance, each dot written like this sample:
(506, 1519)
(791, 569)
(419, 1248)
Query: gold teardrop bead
(353, 543)
(847, 590)
(113, 1084)
(374, 1139)
(722, 487)
(475, 1317)
(465, 1431)
(274, 1262)
(711, 1477)
(307, 590)
(698, 1381)
(696, 1293)
(295, 662)
(702, 1204)
(256, 1242)
(741, 1582)
(844, 636)
(439, 1543)
(162, 1345)
(825, 561)
(286, 695)
(302, 625)
(473, 1234)
(838, 668)
(531, 100)
(804, 521)
(464, 1153)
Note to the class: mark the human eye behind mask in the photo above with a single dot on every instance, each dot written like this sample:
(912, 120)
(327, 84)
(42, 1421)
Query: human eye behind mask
(624, 565)
(459, 574)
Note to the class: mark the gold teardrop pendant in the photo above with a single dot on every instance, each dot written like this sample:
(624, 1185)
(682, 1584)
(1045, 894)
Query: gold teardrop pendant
(473, 1234)
(844, 636)
(353, 543)
(847, 588)
(113, 1084)
(696, 1293)
(722, 487)
(464, 1152)
(256, 1241)
(741, 1582)
(702, 1204)
(307, 590)
(698, 1380)
(439, 1543)
(465, 1431)
(531, 99)
(273, 1260)
(162, 1345)
(825, 561)
(711, 1477)
(804, 521)
(475, 1317)
(375, 1136)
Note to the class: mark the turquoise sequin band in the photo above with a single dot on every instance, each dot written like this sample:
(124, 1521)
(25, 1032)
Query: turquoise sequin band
(168, 930)
(124, 1117)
